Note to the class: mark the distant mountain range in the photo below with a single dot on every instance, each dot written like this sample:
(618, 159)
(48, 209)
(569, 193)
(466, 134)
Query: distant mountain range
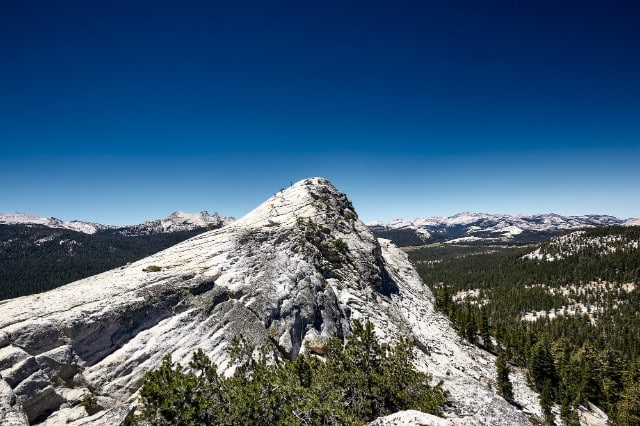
(176, 221)
(482, 228)
(38, 254)
(462, 228)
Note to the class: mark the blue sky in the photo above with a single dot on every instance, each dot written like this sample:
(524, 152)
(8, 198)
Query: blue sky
(118, 112)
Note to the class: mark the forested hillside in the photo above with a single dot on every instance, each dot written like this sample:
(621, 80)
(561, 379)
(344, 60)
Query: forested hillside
(568, 309)
(35, 258)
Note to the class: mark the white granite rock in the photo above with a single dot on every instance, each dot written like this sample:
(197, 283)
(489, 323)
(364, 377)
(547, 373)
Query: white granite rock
(410, 418)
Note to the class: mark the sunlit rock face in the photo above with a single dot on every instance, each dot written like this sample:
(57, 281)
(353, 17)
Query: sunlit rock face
(295, 271)
(410, 417)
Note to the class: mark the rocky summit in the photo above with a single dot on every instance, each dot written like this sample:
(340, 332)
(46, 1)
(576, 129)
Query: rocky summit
(294, 271)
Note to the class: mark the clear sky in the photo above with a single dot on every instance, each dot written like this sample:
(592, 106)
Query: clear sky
(122, 111)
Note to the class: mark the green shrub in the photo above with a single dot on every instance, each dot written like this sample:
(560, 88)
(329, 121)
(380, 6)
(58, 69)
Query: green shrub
(90, 403)
(350, 215)
(357, 382)
(152, 268)
(340, 245)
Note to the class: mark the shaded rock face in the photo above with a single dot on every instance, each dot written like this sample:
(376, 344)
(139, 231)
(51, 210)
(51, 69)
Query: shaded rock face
(294, 272)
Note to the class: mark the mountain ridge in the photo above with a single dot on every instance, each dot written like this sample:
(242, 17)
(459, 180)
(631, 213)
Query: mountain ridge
(485, 228)
(459, 228)
(176, 221)
(296, 270)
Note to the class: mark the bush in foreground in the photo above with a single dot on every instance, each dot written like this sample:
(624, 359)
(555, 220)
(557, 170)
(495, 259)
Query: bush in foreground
(356, 382)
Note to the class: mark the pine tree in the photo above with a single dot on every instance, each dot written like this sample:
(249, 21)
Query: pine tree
(611, 370)
(471, 329)
(483, 329)
(542, 367)
(627, 410)
(504, 384)
(546, 401)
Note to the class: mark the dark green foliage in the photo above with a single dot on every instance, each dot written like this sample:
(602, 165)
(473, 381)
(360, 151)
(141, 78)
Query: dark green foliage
(379, 381)
(400, 237)
(36, 258)
(175, 396)
(483, 329)
(444, 301)
(89, 401)
(152, 268)
(546, 401)
(542, 369)
(504, 383)
(627, 410)
(470, 328)
(340, 245)
(585, 370)
(356, 382)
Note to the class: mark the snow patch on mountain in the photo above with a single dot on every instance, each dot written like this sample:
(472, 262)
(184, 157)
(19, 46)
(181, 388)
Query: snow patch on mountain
(181, 220)
(510, 230)
(51, 222)
(176, 221)
(465, 240)
(632, 222)
(410, 417)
